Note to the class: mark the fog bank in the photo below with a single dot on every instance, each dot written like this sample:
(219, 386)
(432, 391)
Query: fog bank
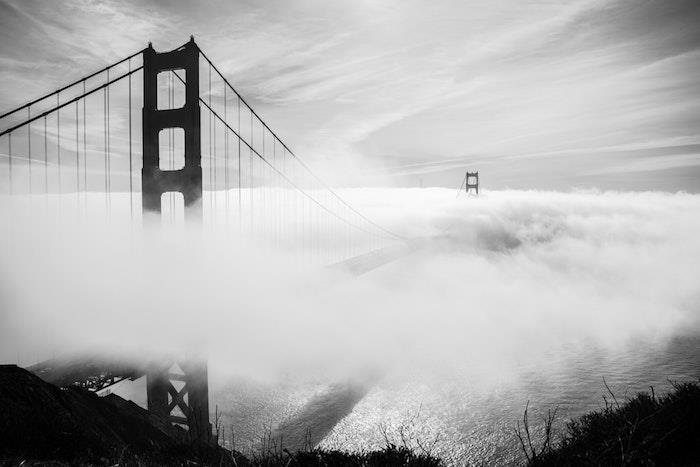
(493, 283)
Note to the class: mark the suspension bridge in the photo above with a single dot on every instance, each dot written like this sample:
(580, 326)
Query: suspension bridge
(167, 135)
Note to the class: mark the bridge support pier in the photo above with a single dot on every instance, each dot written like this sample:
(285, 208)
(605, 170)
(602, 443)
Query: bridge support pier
(176, 390)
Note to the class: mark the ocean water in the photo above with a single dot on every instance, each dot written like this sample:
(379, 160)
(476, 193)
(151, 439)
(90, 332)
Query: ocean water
(451, 413)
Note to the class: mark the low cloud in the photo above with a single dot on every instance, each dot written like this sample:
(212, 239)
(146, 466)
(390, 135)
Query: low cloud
(507, 271)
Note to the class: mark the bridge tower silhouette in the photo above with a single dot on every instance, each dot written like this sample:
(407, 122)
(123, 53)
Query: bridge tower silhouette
(188, 179)
(162, 393)
(471, 182)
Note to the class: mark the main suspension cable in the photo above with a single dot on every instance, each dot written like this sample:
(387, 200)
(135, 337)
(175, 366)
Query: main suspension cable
(81, 80)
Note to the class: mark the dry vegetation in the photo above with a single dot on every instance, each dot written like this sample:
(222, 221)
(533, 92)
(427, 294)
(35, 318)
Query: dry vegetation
(643, 430)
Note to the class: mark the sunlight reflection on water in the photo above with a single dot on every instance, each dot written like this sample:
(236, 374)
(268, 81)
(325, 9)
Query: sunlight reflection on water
(463, 419)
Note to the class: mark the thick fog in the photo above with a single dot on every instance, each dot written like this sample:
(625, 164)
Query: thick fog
(493, 282)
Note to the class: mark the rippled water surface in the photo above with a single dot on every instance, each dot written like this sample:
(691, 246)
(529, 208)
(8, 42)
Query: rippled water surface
(456, 414)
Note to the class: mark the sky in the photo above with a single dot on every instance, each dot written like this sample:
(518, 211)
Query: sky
(554, 95)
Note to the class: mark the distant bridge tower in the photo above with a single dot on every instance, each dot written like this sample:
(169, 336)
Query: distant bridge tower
(471, 182)
(177, 390)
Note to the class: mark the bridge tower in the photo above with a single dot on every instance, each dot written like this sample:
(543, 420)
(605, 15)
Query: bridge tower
(188, 179)
(471, 182)
(176, 389)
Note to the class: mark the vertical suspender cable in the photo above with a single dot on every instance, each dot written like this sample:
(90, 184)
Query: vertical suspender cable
(9, 157)
(284, 229)
(211, 167)
(273, 181)
(171, 143)
(77, 155)
(46, 160)
(310, 189)
(84, 144)
(213, 159)
(226, 151)
(275, 210)
(264, 186)
(251, 184)
(295, 218)
(104, 135)
(58, 142)
(280, 206)
(240, 212)
(131, 178)
(109, 154)
(29, 147)
(264, 181)
(310, 225)
(283, 198)
(303, 222)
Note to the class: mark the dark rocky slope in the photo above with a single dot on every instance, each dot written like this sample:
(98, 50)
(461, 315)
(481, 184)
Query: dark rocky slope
(41, 421)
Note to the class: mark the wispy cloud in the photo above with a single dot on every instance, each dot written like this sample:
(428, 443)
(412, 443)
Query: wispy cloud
(366, 85)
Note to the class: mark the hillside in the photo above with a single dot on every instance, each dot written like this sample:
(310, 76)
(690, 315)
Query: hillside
(41, 421)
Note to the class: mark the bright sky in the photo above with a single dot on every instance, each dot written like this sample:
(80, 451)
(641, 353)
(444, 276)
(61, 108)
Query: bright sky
(542, 94)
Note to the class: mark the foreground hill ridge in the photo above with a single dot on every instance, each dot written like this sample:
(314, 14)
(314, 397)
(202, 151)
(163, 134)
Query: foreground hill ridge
(43, 424)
